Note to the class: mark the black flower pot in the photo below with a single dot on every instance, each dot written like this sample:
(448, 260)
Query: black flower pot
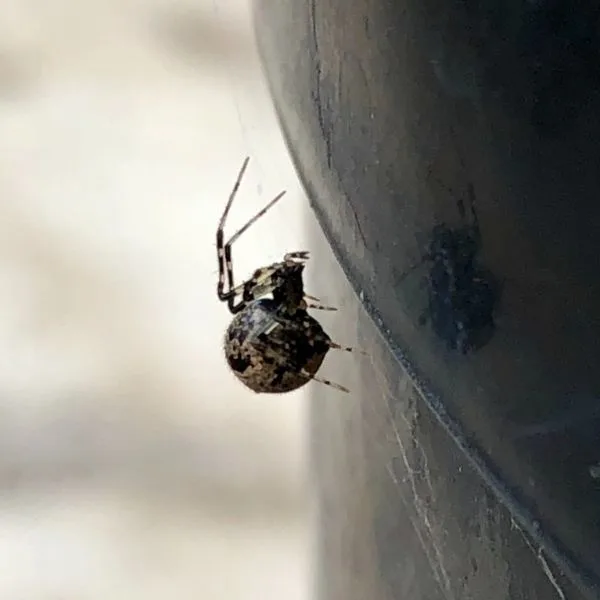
(451, 152)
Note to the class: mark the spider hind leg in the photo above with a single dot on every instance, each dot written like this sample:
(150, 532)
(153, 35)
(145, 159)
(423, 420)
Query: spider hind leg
(337, 346)
(332, 384)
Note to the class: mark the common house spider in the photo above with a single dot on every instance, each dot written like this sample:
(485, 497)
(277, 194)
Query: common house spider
(272, 344)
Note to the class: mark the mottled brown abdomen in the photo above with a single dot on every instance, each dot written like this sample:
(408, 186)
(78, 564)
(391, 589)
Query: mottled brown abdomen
(271, 351)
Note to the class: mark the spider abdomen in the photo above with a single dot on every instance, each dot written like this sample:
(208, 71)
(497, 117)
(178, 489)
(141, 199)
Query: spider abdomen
(272, 351)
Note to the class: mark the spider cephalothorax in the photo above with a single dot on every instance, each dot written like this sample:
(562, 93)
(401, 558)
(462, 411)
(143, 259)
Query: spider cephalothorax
(272, 345)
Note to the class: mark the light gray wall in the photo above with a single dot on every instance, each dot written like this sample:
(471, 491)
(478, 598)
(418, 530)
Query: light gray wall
(132, 463)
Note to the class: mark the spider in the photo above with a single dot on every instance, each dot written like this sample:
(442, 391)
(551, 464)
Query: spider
(272, 344)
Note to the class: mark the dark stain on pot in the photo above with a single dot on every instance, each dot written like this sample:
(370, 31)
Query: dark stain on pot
(462, 294)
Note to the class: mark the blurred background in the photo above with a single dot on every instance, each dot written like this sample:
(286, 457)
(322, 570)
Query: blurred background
(132, 462)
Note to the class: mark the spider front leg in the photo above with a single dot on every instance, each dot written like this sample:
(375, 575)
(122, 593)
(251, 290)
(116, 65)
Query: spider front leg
(224, 257)
(223, 249)
(299, 256)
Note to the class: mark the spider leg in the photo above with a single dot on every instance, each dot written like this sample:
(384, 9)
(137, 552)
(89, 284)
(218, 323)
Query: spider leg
(339, 347)
(301, 255)
(345, 348)
(236, 187)
(224, 264)
(258, 285)
(224, 249)
(229, 296)
(302, 372)
(255, 218)
(335, 345)
(332, 384)
(319, 306)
